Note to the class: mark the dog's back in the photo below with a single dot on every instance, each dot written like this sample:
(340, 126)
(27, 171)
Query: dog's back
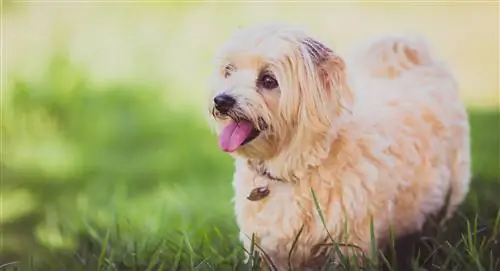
(401, 82)
(392, 56)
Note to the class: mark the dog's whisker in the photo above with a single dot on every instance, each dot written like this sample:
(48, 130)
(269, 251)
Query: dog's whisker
(213, 112)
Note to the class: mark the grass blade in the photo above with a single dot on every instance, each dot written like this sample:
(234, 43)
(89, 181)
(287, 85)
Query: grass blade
(294, 244)
(102, 256)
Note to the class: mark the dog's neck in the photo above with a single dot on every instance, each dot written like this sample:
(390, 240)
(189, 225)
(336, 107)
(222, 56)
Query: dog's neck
(295, 162)
(296, 159)
(259, 167)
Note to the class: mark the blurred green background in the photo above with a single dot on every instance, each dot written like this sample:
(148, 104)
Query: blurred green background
(103, 108)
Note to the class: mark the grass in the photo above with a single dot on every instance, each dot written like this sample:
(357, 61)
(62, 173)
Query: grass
(160, 224)
(103, 170)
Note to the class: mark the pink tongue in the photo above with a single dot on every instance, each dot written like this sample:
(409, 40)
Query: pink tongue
(234, 134)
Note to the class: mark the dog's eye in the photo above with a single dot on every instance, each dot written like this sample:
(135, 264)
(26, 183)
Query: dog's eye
(267, 81)
(228, 70)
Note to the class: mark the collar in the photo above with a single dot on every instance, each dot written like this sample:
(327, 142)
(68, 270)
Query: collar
(260, 168)
(261, 192)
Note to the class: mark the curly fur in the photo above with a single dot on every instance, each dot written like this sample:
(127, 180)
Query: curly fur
(379, 140)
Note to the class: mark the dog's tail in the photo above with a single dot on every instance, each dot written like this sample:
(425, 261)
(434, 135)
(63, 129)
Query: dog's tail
(390, 57)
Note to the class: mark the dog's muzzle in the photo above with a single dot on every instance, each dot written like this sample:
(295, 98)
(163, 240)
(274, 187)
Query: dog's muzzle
(240, 130)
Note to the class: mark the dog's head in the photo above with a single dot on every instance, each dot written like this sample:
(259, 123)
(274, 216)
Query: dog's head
(275, 87)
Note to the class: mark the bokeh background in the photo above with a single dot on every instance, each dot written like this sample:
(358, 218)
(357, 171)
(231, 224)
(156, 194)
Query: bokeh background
(104, 141)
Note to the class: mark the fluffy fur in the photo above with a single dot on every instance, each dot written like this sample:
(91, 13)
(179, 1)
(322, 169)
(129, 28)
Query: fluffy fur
(381, 139)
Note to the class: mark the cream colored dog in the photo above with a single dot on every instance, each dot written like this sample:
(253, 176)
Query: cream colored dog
(326, 148)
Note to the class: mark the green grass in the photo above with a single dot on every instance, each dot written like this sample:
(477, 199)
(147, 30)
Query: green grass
(111, 179)
(204, 237)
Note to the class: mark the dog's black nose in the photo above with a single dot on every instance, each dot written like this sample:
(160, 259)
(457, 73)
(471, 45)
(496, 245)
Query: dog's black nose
(224, 102)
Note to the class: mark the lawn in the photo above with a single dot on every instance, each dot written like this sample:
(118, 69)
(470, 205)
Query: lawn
(107, 163)
(138, 189)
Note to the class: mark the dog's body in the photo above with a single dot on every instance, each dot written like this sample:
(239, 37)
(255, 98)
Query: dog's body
(384, 139)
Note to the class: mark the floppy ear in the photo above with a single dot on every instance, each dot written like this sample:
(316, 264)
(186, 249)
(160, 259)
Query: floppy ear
(324, 93)
(332, 75)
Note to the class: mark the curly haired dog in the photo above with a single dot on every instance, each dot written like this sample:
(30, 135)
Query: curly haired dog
(325, 148)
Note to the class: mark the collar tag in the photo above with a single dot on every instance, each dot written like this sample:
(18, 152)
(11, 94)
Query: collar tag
(258, 193)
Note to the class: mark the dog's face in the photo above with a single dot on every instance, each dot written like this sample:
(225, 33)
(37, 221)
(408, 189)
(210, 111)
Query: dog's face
(272, 87)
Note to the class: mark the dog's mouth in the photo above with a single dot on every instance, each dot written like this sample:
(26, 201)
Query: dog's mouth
(236, 134)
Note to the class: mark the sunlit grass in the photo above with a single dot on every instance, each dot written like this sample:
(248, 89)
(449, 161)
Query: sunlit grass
(153, 181)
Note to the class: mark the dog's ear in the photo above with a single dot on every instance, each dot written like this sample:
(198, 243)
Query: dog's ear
(324, 93)
(331, 72)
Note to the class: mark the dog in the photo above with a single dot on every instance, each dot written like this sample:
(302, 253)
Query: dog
(327, 149)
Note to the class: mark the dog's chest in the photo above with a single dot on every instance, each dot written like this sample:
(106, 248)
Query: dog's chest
(274, 220)
(276, 205)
